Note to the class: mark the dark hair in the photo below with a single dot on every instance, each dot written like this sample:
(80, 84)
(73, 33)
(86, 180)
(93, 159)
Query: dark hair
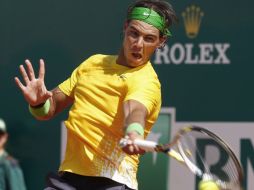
(2, 133)
(162, 7)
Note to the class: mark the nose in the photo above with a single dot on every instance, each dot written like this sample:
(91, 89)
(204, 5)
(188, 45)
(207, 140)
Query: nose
(139, 43)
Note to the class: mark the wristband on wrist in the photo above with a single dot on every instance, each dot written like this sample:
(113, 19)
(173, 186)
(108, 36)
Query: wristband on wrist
(137, 127)
(40, 111)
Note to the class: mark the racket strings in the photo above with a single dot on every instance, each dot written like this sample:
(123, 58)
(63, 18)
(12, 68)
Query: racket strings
(233, 181)
(230, 167)
(227, 177)
(202, 159)
(232, 171)
(191, 144)
(208, 158)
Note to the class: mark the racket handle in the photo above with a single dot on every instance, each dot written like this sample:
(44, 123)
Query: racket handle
(148, 146)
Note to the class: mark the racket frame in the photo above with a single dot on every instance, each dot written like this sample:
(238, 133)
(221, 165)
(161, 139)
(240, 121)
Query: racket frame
(150, 146)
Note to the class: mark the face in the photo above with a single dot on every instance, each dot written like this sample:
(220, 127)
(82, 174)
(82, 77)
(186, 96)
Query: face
(140, 42)
(3, 139)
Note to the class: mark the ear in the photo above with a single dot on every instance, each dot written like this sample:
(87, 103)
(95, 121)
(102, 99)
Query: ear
(163, 40)
(125, 26)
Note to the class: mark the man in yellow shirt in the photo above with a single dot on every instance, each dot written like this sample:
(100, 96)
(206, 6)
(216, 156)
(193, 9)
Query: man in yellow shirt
(110, 97)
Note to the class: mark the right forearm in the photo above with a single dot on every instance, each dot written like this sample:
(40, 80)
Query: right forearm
(44, 111)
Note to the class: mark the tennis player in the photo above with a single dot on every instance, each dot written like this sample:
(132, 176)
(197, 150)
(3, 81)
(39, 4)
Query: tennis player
(111, 96)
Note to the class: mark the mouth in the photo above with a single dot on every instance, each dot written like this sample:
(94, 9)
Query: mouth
(137, 55)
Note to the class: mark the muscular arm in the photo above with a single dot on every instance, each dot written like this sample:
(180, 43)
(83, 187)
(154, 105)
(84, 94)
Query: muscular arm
(134, 112)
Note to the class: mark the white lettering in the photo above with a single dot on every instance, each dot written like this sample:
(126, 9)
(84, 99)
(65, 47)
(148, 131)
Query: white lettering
(162, 53)
(205, 53)
(173, 50)
(222, 58)
(189, 59)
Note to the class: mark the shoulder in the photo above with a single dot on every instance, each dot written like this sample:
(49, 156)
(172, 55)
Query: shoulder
(95, 62)
(147, 75)
(98, 59)
(150, 70)
(13, 161)
(9, 160)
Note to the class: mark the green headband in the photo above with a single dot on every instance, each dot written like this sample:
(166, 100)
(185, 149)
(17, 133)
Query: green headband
(151, 17)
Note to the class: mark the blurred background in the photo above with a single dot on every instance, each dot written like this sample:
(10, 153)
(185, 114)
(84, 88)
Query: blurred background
(205, 69)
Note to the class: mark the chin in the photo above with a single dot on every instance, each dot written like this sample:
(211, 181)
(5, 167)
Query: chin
(136, 63)
(133, 62)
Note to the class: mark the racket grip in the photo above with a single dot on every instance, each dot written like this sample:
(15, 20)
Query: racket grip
(148, 146)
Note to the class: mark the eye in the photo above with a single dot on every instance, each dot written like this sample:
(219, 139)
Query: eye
(133, 34)
(149, 39)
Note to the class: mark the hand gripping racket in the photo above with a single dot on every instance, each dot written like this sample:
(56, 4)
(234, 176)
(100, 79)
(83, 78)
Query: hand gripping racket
(189, 141)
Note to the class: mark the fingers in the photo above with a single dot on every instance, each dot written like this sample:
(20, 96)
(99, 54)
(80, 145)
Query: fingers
(30, 69)
(42, 69)
(138, 150)
(24, 74)
(19, 84)
(29, 74)
(131, 148)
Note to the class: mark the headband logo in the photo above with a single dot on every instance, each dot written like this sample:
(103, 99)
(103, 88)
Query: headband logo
(192, 17)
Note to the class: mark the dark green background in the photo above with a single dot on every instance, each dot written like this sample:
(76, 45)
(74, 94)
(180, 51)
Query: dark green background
(153, 174)
(65, 33)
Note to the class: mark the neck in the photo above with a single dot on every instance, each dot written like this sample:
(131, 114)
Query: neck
(1, 151)
(121, 60)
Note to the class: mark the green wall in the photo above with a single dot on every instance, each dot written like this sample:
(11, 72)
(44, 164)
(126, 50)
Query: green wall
(65, 33)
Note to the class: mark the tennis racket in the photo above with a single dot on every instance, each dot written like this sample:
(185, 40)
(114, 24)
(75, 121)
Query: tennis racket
(188, 142)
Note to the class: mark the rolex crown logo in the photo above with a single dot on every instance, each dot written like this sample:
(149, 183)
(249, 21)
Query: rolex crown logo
(192, 17)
